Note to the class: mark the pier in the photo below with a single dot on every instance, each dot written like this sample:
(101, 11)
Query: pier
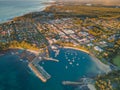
(39, 72)
(34, 60)
(83, 81)
(71, 83)
(51, 59)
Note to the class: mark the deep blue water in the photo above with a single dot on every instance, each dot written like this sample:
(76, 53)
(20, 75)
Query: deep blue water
(13, 8)
(15, 75)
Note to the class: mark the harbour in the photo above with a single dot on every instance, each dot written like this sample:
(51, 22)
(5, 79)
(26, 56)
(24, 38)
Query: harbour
(45, 69)
(60, 46)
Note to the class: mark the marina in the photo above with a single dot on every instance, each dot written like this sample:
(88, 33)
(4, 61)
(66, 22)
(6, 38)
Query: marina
(34, 61)
(52, 71)
(53, 45)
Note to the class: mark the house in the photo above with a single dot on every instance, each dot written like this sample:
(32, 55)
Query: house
(90, 44)
(97, 48)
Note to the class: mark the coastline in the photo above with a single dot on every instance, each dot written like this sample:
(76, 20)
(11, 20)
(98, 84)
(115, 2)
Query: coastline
(100, 67)
(7, 20)
(32, 51)
(85, 51)
(3, 52)
(106, 68)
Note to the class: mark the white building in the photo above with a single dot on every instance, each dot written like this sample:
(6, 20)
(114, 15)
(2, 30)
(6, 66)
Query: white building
(97, 48)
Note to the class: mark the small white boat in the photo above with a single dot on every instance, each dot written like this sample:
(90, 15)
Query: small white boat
(66, 67)
(68, 60)
(73, 60)
(70, 63)
(77, 64)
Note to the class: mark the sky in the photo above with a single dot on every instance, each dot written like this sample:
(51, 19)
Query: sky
(107, 2)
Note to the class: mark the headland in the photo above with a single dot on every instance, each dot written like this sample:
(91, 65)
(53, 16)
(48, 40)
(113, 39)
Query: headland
(91, 29)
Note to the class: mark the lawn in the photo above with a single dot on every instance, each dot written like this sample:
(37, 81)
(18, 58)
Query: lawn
(116, 60)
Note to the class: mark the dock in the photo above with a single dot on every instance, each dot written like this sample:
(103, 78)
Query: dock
(34, 61)
(27, 55)
(84, 81)
(39, 72)
(71, 83)
(51, 59)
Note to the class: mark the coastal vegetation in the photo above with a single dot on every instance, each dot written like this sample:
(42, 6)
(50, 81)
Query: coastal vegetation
(116, 60)
(94, 29)
(3, 46)
(23, 45)
(111, 81)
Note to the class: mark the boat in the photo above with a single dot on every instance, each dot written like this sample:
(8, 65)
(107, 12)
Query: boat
(70, 63)
(66, 67)
(77, 64)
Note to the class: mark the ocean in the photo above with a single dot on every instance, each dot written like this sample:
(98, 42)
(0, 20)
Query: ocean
(72, 66)
(12, 8)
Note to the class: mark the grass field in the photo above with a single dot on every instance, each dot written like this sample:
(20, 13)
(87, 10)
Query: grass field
(116, 60)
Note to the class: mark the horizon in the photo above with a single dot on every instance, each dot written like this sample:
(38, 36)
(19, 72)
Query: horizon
(103, 2)
(65, 44)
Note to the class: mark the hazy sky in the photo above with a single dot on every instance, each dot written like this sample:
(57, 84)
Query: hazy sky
(108, 2)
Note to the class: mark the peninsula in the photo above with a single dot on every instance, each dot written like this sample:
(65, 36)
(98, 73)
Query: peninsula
(92, 29)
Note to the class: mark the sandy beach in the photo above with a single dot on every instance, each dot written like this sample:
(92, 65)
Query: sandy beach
(106, 68)
(91, 87)
(29, 50)
(32, 51)
(77, 49)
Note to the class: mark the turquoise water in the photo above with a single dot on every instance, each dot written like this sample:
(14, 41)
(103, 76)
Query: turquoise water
(72, 65)
(12, 8)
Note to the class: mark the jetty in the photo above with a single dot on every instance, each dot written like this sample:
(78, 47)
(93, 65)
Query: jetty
(83, 81)
(39, 72)
(51, 59)
(71, 83)
(34, 61)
